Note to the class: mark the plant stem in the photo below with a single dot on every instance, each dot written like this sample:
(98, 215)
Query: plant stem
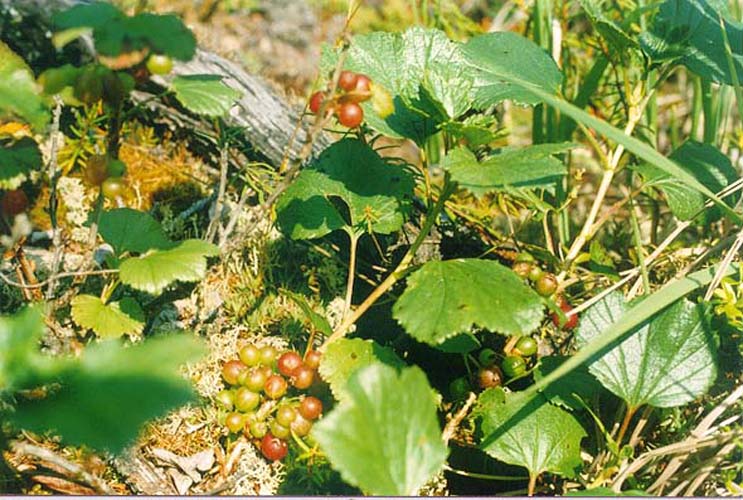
(354, 241)
(479, 475)
(532, 483)
(399, 271)
(638, 245)
(635, 114)
(625, 425)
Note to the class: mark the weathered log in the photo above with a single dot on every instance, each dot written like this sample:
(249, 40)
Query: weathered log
(266, 118)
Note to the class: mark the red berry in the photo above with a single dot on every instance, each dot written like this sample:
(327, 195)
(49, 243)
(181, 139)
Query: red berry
(312, 359)
(275, 386)
(289, 362)
(273, 448)
(303, 377)
(14, 202)
(363, 84)
(231, 370)
(572, 320)
(348, 80)
(350, 115)
(310, 408)
(316, 101)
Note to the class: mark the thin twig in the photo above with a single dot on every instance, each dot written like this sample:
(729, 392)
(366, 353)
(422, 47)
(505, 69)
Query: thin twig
(77, 471)
(451, 425)
(54, 174)
(68, 274)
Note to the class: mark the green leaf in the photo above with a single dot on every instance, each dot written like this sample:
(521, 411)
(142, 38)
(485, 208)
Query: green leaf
(708, 165)
(610, 31)
(104, 398)
(115, 33)
(529, 167)
(460, 344)
(666, 362)
(21, 364)
(547, 439)
(689, 32)
(318, 321)
(17, 160)
(377, 194)
(578, 382)
(422, 70)
(619, 329)
(385, 439)
(19, 93)
(154, 271)
(507, 59)
(475, 130)
(484, 52)
(129, 230)
(344, 356)
(110, 320)
(443, 299)
(94, 15)
(204, 94)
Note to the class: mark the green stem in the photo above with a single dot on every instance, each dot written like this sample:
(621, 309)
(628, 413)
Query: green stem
(479, 475)
(401, 268)
(709, 107)
(354, 241)
(637, 237)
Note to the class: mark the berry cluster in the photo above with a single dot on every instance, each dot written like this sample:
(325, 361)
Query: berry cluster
(257, 401)
(545, 283)
(354, 88)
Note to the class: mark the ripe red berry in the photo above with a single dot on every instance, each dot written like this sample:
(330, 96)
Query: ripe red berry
(363, 84)
(316, 101)
(231, 370)
(348, 80)
(303, 377)
(310, 408)
(275, 386)
(289, 362)
(14, 202)
(572, 320)
(273, 448)
(312, 359)
(350, 115)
